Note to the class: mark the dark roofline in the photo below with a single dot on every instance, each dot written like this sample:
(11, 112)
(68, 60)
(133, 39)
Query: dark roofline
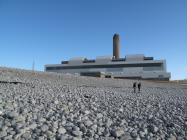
(104, 66)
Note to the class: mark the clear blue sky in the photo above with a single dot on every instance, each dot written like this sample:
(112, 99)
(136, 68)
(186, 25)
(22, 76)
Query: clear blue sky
(49, 31)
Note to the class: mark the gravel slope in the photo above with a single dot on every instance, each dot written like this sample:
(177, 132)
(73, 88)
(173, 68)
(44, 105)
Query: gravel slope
(55, 106)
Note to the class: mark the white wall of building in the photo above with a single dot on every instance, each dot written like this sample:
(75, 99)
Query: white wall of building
(143, 72)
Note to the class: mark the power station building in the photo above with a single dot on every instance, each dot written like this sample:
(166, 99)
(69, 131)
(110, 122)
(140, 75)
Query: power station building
(130, 67)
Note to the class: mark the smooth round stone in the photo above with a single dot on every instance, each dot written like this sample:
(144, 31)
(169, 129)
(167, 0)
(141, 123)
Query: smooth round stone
(76, 128)
(68, 128)
(94, 127)
(52, 138)
(118, 133)
(121, 110)
(20, 119)
(151, 134)
(126, 136)
(18, 126)
(142, 134)
(123, 122)
(1, 124)
(1, 113)
(41, 120)
(3, 134)
(55, 125)
(32, 126)
(12, 115)
(41, 138)
(26, 135)
(9, 137)
(83, 129)
(86, 112)
(106, 132)
(56, 102)
(85, 118)
(63, 122)
(145, 130)
(90, 133)
(61, 130)
(150, 116)
(100, 130)
(172, 138)
(153, 128)
(96, 136)
(23, 110)
(8, 123)
(44, 128)
(4, 128)
(134, 134)
(88, 123)
(108, 123)
(77, 133)
(185, 124)
(63, 137)
(22, 131)
(49, 133)
(77, 138)
(12, 132)
(99, 115)
(138, 138)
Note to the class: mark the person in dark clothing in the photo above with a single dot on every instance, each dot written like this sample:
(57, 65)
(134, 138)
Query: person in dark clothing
(139, 86)
(134, 87)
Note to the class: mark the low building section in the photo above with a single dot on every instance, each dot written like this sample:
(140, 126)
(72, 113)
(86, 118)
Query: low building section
(131, 67)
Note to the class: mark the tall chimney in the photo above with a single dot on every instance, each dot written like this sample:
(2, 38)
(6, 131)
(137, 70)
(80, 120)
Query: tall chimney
(116, 46)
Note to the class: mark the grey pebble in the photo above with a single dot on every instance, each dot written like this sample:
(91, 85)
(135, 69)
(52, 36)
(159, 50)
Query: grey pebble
(77, 133)
(3, 134)
(61, 130)
(12, 115)
(44, 128)
(118, 133)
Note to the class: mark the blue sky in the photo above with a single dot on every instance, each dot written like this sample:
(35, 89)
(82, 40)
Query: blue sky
(48, 31)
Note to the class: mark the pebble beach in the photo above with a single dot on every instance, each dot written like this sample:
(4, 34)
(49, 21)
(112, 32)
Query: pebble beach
(50, 106)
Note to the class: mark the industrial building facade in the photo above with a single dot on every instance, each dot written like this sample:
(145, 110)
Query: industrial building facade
(131, 67)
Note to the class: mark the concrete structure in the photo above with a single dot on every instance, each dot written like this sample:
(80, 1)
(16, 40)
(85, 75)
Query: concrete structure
(116, 46)
(131, 66)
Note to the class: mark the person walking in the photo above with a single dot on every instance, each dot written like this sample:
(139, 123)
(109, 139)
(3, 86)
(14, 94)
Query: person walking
(134, 87)
(139, 87)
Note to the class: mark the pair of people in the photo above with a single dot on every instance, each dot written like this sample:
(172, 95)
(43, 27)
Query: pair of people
(139, 86)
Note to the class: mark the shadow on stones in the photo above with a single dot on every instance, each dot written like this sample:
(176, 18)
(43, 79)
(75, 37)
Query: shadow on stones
(7, 82)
